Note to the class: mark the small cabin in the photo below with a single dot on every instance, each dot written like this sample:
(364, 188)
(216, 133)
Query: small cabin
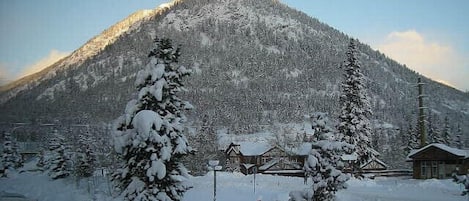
(261, 157)
(373, 165)
(438, 161)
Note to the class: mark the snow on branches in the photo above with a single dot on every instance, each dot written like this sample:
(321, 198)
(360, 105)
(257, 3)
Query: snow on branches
(354, 124)
(323, 164)
(149, 135)
(10, 157)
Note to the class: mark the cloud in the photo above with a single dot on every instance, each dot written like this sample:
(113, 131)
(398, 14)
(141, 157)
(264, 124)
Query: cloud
(4, 74)
(54, 56)
(433, 59)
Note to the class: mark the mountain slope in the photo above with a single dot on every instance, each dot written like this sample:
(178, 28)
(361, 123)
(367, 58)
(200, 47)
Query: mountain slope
(256, 63)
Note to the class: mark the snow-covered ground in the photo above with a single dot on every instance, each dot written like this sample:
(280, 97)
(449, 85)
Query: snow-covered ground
(238, 187)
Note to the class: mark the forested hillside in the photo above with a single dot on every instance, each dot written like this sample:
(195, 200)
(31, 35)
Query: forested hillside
(256, 63)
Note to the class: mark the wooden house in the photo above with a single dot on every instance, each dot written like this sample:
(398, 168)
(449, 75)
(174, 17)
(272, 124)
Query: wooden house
(261, 157)
(438, 161)
(373, 165)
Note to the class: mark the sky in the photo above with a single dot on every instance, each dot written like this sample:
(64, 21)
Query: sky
(429, 36)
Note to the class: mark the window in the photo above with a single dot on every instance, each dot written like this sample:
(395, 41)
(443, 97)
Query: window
(265, 160)
(434, 169)
(424, 168)
(234, 159)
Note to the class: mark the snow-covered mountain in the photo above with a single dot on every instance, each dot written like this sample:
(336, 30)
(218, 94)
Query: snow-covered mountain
(256, 63)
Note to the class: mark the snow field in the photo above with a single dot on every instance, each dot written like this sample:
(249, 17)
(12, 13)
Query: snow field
(239, 187)
(39, 186)
(405, 189)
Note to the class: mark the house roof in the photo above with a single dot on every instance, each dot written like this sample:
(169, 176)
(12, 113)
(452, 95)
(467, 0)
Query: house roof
(269, 164)
(349, 157)
(302, 150)
(247, 148)
(451, 150)
(376, 160)
(253, 148)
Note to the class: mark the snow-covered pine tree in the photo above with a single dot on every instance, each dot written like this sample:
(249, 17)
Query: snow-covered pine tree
(58, 161)
(430, 130)
(149, 136)
(458, 141)
(10, 157)
(205, 146)
(354, 124)
(321, 126)
(446, 134)
(41, 162)
(410, 139)
(86, 157)
(323, 164)
(436, 132)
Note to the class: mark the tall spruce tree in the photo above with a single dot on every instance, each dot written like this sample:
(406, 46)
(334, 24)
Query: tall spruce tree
(354, 124)
(205, 145)
(446, 134)
(10, 157)
(86, 156)
(149, 136)
(59, 163)
(431, 129)
(411, 139)
(323, 164)
(458, 140)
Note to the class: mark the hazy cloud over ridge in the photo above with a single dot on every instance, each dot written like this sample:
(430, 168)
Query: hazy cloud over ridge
(7, 73)
(51, 58)
(438, 61)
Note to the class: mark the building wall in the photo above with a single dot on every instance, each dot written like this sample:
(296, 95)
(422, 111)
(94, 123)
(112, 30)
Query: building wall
(440, 169)
(436, 163)
(416, 169)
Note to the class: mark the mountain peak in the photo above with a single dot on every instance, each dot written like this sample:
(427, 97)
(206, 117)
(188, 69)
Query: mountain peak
(256, 61)
(88, 50)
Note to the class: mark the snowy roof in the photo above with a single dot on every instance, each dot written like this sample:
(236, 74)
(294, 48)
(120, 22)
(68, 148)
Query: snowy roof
(269, 164)
(451, 150)
(248, 166)
(376, 160)
(303, 149)
(376, 153)
(349, 157)
(283, 171)
(253, 148)
(225, 139)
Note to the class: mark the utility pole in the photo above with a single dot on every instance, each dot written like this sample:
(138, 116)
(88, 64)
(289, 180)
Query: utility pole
(423, 139)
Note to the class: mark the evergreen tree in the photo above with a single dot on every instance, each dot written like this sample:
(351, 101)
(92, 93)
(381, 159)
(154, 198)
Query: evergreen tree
(458, 141)
(402, 141)
(10, 157)
(436, 134)
(86, 156)
(149, 136)
(323, 164)
(431, 129)
(205, 145)
(446, 134)
(58, 161)
(41, 162)
(411, 139)
(354, 124)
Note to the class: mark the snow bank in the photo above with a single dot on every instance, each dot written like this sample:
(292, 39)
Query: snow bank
(236, 186)
(39, 186)
(388, 189)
